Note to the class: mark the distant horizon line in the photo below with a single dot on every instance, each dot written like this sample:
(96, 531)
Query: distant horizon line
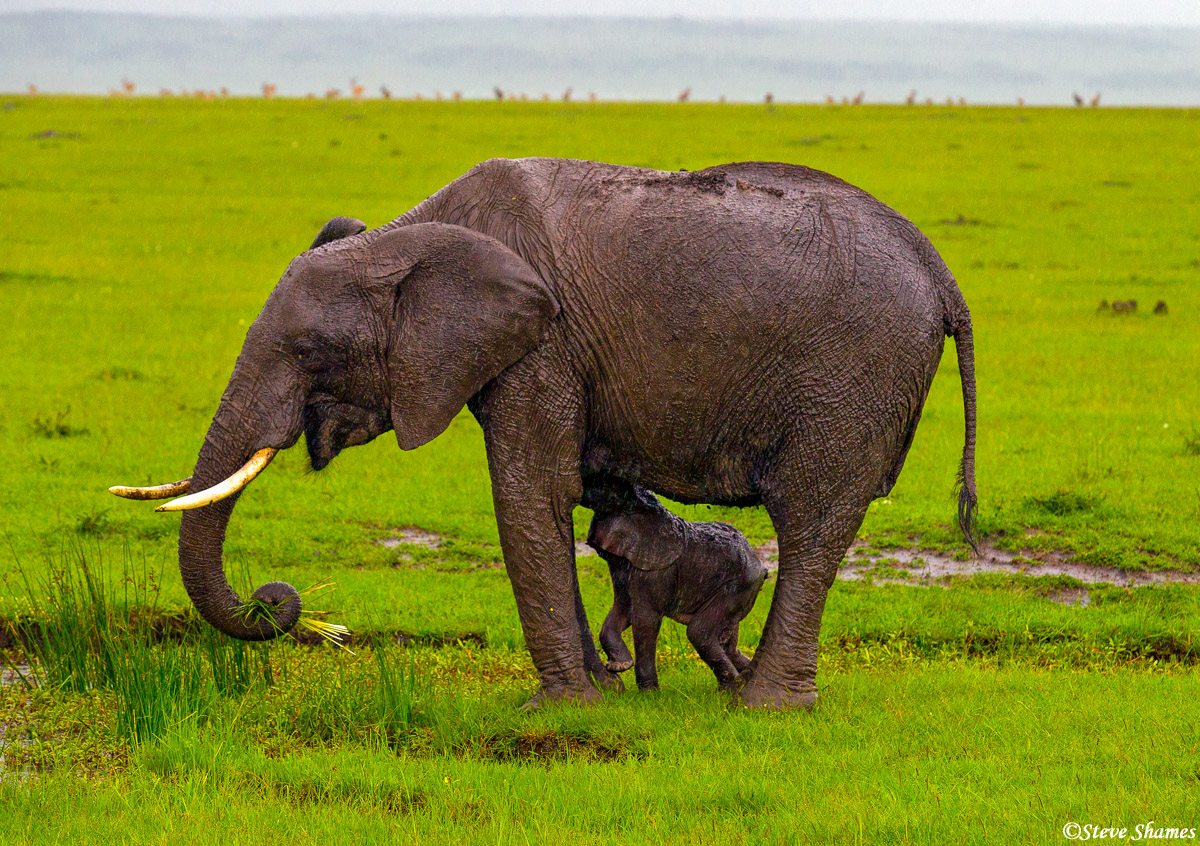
(252, 16)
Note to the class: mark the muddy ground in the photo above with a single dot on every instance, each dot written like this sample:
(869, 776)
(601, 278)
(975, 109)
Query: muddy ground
(907, 565)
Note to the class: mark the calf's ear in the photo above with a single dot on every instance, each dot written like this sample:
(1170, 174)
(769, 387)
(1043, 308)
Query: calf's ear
(648, 540)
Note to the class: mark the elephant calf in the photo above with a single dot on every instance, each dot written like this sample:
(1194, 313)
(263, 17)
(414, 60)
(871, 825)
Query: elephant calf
(704, 575)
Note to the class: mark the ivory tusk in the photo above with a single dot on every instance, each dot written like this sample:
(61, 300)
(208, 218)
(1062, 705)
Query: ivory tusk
(227, 488)
(157, 492)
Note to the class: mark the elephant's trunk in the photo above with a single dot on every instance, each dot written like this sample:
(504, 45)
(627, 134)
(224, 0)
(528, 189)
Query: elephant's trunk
(201, 547)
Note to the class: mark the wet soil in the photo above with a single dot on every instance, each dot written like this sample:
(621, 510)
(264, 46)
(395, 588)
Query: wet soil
(923, 567)
(411, 536)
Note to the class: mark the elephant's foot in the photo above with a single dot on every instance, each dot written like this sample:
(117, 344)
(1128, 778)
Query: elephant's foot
(762, 692)
(607, 679)
(619, 666)
(545, 696)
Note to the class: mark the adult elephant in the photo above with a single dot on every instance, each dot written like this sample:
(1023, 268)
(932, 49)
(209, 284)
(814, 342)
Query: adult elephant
(750, 333)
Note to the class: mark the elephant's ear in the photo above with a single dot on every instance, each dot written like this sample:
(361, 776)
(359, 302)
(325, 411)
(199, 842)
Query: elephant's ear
(337, 228)
(465, 308)
(648, 540)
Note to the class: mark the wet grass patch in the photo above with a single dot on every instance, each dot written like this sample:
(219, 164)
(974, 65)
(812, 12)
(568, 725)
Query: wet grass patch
(359, 795)
(543, 746)
(121, 374)
(57, 426)
(1065, 502)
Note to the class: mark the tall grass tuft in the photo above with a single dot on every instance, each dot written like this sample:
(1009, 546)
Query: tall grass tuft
(83, 640)
(160, 690)
(396, 699)
(237, 667)
(70, 625)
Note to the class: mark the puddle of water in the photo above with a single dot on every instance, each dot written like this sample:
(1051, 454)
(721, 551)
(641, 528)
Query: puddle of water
(10, 731)
(17, 674)
(411, 536)
(923, 566)
(927, 566)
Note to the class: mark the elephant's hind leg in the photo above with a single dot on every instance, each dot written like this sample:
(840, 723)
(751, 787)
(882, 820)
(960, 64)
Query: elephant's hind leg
(602, 674)
(814, 533)
(730, 644)
(705, 633)
(620, 616)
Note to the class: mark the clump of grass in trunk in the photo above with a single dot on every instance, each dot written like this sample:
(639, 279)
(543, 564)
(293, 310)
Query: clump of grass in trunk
(256, 609)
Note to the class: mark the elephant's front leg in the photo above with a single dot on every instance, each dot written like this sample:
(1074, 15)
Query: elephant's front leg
(533, 433)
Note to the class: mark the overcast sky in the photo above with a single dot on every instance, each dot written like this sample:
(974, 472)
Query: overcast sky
(1151, 12)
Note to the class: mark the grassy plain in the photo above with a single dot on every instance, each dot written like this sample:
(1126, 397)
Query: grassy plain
(142, 236)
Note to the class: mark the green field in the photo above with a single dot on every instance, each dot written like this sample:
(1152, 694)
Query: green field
(139, 239)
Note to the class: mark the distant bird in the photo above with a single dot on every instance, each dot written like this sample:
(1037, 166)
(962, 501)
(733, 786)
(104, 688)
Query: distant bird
(32, 90)
(567, 95)
(829, 101)
(127, 86)
(498, 91)
(165, 92)
(224, 92)
(1021, 102)
(721, 99)
(437, 95)
(949, 101)
(928, 101)
(545, 97)
(769, 98)
(356, 89)
(858, 98)
(1160, 307)
(418, 97)
(385, 92)
(1078, 99)
(684, 94)
(911, 98)
(845, 101)
(332, 93)
(268, 90)
(457, 96)
(592, 98)
(962, 101)
(1095, 101)
(1125, 306)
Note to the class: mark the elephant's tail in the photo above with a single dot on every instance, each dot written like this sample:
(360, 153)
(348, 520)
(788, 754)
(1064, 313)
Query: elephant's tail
(958, 326)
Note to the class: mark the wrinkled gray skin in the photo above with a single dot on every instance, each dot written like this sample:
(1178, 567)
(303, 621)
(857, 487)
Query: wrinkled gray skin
(751, 333)
(703, 575)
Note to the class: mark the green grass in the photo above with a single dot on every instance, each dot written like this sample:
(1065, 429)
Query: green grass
(136, 255)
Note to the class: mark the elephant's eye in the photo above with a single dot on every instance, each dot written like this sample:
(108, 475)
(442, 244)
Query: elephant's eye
(307, 355)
